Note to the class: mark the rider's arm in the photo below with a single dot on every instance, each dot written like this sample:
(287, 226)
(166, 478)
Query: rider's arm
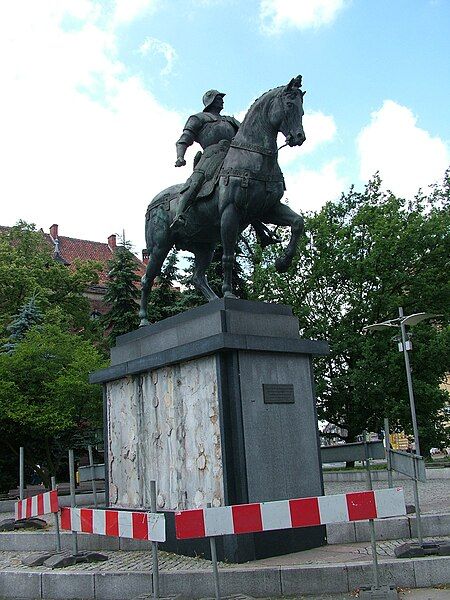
(188, 137)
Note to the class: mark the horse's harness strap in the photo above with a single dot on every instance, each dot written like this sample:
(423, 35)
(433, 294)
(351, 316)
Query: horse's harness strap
(254, 148)
(246, 175)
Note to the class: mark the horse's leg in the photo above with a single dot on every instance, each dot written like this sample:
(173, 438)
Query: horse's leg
(281, 214)
(157, 256)
(229, 227)
(203, 257)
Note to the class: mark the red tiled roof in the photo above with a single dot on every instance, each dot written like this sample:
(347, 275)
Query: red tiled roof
(71, 249)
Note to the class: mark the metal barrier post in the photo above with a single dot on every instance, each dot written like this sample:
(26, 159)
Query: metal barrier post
(73, 501)
(155, 566)
(212, 545)
(94, 483)
(417, 502)
(21, 472)
(373, 540)
(387, 444)
(58, 534)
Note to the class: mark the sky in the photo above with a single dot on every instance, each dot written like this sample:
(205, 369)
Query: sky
(95, 94)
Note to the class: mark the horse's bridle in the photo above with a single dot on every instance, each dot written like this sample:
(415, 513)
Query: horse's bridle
(261, 149)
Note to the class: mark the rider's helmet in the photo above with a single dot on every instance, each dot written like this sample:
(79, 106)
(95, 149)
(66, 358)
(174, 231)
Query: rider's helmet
(210, 96)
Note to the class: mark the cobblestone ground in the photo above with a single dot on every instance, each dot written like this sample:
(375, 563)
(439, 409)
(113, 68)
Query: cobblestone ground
(168, 562)
(434, 494)
(416, 594)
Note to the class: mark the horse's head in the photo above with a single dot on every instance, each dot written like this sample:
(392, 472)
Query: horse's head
(287, 112)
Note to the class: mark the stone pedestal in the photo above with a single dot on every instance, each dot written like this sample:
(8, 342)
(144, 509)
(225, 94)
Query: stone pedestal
(217, 405)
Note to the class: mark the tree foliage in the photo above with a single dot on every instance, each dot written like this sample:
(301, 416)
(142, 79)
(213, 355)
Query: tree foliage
(28, 315)
(166, 297)
(49, 346)
(45, 392)
(122, 293)
(27, 268)
(365, 256)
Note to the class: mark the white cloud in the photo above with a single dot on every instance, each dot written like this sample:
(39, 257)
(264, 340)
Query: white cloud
(153, 45)
(310, 189)
(83, 143)
(278, 15)
(407, 156)
(319, 129)
(126, 11)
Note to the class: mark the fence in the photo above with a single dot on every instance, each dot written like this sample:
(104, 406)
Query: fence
(36, 506)
(287, 514)
(211, 522)
(126, 524)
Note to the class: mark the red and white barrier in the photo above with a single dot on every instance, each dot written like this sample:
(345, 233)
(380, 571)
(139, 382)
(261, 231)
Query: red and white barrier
(126, 524)
(287, 514)
(35, 506)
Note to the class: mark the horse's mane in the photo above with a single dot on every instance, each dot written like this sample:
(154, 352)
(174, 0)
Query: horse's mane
(263, 97)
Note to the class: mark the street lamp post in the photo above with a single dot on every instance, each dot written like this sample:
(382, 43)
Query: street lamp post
(402, 322)
(409, 380)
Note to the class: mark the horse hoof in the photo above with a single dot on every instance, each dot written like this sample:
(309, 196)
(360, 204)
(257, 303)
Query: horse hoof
(282, 265)
(144, 323)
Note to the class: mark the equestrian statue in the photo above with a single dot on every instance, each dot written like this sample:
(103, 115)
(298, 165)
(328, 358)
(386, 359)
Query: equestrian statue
(236, 182)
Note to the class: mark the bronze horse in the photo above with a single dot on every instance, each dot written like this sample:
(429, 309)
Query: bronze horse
(250, 187)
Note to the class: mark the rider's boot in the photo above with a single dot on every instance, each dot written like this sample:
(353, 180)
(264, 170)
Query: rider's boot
(186, 199)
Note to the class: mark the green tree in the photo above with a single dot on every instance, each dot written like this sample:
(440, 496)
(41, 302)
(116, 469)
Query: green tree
(27, 267)
(43, 311)
(122, 293)
(166, 298)
(27, 316)
(45, 396)
(364, 256)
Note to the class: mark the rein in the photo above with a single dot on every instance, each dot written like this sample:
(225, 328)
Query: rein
(254, 148)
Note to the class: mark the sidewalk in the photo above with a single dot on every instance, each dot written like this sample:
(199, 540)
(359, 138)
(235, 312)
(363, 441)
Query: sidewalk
(127, 575)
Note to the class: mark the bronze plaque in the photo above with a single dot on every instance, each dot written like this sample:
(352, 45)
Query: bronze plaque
(278, 393)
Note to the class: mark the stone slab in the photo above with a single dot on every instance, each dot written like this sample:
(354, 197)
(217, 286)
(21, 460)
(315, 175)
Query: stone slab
(20, 585)
(61, 586)
(432, 525)
(191, 584)
(385, 529)
(399, 574)
(46, 542)
(314, 579)
(341, 533)
(121, 586)
(431, 571)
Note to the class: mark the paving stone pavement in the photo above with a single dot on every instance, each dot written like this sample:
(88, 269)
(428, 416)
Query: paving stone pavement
(141, 561)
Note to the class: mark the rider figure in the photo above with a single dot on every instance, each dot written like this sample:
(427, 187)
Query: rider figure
(214, 133)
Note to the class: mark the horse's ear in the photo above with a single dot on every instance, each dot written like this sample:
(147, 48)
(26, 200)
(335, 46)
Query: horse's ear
(303, 93)
(295, 82)
(290, 85)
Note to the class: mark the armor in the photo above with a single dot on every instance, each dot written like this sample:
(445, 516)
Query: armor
(207, 129)
(214, 133)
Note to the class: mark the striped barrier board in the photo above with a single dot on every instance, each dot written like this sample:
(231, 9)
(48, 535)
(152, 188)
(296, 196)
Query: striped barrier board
(116, 523)
(287, 514)
(35, 506)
